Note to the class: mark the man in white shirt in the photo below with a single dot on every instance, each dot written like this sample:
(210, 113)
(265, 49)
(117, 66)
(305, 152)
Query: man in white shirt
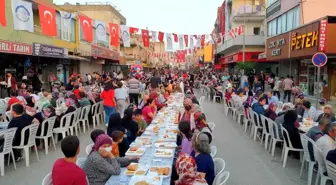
(89, 78)
(326, 143)
(121, 96)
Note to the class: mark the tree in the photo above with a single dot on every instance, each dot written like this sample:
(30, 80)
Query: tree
(246, 66)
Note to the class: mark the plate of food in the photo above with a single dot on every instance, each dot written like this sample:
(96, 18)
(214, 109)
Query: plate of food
(168, 137)
(144, 141)
(164, 153)
(171, 145)
(163, 171)
(135, 151)
(136, 169)
(146, 180)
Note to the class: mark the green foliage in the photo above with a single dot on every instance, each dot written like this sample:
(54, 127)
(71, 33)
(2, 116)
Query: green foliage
(246, 66)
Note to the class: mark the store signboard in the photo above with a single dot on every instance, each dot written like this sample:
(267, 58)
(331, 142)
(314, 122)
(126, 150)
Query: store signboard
(100, 52)
(323, 35)
(15, 47)
(44, 50)
(277, 47)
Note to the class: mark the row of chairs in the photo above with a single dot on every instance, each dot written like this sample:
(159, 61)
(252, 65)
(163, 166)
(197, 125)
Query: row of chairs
(70, 124)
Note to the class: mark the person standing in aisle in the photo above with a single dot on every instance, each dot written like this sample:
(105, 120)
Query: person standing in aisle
(121, 97)
(109, 102)
(287, 86)
(11, 83)
(60, 76)
(134, 90)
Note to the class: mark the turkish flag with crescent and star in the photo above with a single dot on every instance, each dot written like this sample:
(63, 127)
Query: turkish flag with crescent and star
(175, 37)
(145, 38)
(114, 32)
(133, 30)
(160, 37)
(48, 20)
(202, 40)
(186, 39)
(3, 12)
(86, 24)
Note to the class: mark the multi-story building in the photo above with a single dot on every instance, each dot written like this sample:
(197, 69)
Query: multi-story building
(296, 30)
(104, 55)
(247, 13)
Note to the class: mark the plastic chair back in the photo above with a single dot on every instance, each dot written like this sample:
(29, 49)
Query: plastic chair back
(94, 108)
(85, 112)
(9, 116)
(280, 104)
(66, 120)
(100, 107)
(221, 178)
(286, 137)
(51, 122)
(32, 134)
(264, 122)
(211, 125)
(331, 169)
(59, 102)
(47, 180)
(8, 136)
(3, 106)
(7, 99)
(89, 148)
(305, 140)
(275, 129)
(256, 119)
(81, 161)
(319, 158)
(201, 100)
(78, 114)
(213, 151)
(219, 165)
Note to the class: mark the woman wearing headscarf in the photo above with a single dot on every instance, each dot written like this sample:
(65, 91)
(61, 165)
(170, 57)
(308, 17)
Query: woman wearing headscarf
(271, 111)
(201, 154)
(100, 165)
(187, 169)
(115, 125)
(131, 126)
(196, 119)
(75, 99)
(327, 114)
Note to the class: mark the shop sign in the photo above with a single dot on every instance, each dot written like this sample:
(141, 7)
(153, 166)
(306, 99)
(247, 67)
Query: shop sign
(15, 47)
(305, 40)
(49, 51)
(100, 52)
(275, 44)
(323, 34)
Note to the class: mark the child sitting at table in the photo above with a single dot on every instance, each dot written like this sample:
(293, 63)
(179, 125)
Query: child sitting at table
(186, 145)
(117, 137)
(141, 122)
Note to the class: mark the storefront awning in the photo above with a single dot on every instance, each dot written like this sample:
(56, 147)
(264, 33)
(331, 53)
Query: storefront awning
(74, 57)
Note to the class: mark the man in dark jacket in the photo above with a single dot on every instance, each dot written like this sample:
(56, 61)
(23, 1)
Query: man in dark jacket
(259, 106)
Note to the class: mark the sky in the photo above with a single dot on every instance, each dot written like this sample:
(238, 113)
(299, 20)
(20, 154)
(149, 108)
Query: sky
(171, 16)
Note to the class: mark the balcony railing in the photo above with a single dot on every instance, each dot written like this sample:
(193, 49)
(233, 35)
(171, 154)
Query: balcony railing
(276, 6)
(250, 40)
(248, 12)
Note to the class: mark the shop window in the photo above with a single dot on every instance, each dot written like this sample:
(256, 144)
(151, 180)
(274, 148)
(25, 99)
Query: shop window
(283, 23)
(58, 24)
(279, 25)
(256, 30)
(296, 20)
(65, 29)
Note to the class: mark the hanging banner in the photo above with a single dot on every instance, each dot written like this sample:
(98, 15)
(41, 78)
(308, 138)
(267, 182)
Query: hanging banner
(86, 25)
(202, 40)
(48, 20)
(154, 36)
(145, 38)
(161, 35)
(23, 15)
(186, 39)
(133, 30)
(175, 37)
(3, 13)
(181, 44)
(100, 31)
(114, 32)
(191, 42)
(125, 35)
(169, 41)
(44, 50)
(66, 19)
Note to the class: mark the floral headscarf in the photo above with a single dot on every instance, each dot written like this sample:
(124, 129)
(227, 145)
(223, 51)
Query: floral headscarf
(187, 170)
(270, 107)
(101, 140)
(69, 102)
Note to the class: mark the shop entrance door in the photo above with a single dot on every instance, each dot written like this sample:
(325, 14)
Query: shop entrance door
(311, 79)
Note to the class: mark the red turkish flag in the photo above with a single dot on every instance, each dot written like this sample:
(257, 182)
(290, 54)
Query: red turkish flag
(202, 40)
(48, 20)
(161, 34)
(86, 24)
(186, 39)
(3, 13)
(175, 37)
(145, 38)
(133, 30)
(114, 32)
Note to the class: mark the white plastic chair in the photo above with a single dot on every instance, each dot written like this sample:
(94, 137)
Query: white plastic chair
(211, 125)
(31, 141)
(213, 151)
(201, 102)
(64, 126)
(331, 169)
(320, 177)
(7, 99)
(215, 97)
(59, 102)
(95, 116)
(247, 121)
(240, 113)
(219, 165)
(221, 178)
(21, 98)
(8, 136)
(81, 161)
(50, 121)
(88, 148)
(275, 135)
(101, 112)
(287, 147)
(47, 180)
(280, 104)
(255, 125)
(306, 157)
(84, 117)
(74, 123)
(9, 116)
(229, 107)
(265, 132)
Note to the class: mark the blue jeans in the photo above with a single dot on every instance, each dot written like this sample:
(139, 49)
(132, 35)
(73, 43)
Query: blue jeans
(108, 112)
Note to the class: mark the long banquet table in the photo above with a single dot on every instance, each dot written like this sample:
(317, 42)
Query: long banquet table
(163, 120)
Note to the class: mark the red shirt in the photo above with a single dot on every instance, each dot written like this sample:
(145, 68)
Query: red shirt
(145, 111)
(65, 173)
(108, 97)
(12, 101)
(76, 92)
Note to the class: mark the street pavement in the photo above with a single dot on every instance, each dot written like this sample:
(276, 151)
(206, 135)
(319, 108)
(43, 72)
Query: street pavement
(246, 160)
